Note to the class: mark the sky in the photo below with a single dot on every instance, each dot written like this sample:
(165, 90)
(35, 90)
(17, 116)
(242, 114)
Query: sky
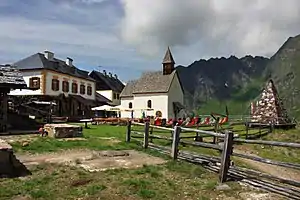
(128, 37)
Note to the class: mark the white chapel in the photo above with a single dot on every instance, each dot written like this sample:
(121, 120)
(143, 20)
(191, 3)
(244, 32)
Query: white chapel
(160, 93)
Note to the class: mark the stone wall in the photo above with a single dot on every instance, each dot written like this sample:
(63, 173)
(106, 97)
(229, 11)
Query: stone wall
(63, 130)
(269, 108)
(10, 166)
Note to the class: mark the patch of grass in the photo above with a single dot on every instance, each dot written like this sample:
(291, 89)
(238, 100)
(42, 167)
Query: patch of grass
(173, 180)
(97, 138)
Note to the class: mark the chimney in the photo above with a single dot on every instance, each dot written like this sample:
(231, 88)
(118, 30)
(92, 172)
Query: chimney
(110, 74)
(116, 77)
(104, 72)
(49, 55)
(69, 61)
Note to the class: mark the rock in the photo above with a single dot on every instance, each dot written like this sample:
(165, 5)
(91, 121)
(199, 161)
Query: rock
(63, 130)
(223, 187)
(25, 144)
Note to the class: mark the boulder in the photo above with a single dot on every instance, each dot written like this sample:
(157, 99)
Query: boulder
(63, 130)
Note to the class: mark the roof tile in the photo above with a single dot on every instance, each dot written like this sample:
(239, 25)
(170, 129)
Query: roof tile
(150, 82)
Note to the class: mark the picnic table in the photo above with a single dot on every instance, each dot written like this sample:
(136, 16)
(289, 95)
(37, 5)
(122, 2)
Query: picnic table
(86, 121)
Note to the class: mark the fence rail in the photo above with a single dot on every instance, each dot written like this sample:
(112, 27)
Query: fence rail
(223, 143)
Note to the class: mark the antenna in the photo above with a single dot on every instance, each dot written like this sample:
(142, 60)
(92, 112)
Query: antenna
(99, 68)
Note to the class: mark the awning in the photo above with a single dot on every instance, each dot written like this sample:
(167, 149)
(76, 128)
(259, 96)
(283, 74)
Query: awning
(82, 100)
(105, 107)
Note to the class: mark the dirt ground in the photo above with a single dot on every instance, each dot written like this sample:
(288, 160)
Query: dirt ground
(280, 172)
(93, 160)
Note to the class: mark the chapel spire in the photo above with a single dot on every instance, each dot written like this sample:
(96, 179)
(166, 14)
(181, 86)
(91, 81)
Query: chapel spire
(168, 62)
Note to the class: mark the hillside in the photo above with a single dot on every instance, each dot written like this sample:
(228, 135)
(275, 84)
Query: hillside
(204, 80)
(284, 69)
(208, 84)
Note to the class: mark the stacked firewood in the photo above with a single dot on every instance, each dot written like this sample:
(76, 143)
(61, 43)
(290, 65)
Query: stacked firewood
(269, 109)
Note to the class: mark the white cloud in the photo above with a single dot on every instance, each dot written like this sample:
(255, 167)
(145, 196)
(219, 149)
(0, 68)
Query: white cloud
(210, 27)
(105, 32)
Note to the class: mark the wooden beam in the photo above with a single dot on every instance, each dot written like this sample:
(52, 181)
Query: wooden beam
(175, 144)
(128, 131)
(225, 157)
(271, 143)
(146, 135)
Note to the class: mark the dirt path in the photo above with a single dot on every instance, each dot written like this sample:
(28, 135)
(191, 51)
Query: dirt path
(93, 160)
(281, 172)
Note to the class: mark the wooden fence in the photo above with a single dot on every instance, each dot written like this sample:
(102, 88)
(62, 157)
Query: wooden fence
(223, 143)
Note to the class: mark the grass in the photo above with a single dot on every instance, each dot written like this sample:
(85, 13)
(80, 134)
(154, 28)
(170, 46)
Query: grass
(97, 138)
(173, 180)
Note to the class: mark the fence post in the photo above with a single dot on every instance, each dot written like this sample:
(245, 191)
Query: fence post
(271, 127)
(225, 157)
(247, 129)
(146, 135)
(216, 129)
(175, 143)
(128, 131)
(150, 133)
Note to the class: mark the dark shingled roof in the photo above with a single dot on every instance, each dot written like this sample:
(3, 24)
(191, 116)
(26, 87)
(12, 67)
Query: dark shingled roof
(111, 82)
(38, 61)
(11, 77)
(168, 57)
(150, 82)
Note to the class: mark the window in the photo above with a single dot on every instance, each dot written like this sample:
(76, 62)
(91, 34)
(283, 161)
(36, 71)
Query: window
(89, 90)
(114, 96)
(130, 105)
(55, 84)
(118, 96)
(149, 104)
(82, 89)
(65, 86)
(34, 83)
(74, 88)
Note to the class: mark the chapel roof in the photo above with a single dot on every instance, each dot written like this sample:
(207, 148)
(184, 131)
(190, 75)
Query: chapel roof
(149, 82)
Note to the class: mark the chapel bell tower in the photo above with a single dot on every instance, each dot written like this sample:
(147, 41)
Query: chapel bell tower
(168, 63)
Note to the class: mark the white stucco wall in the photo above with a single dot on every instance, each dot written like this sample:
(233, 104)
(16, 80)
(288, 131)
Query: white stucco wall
(124, 104)
(139, 101)
(159, 102)
(106, 93)
(61, 77)
(109, 94)
(175, 95)
(27, 75)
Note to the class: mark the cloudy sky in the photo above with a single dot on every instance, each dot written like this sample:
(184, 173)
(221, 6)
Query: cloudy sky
(128, 37)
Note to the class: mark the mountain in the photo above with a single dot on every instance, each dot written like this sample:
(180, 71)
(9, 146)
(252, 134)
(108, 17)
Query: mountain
(284, 69)
(221, 79)
(211, 84)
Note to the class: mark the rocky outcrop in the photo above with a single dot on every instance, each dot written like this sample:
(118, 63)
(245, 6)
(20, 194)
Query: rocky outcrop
(63, 130)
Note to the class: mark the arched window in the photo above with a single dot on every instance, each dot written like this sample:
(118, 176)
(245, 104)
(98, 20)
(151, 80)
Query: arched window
(130, 105)
(149, 104)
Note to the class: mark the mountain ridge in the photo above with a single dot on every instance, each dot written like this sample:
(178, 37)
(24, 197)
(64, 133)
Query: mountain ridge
(204, 80)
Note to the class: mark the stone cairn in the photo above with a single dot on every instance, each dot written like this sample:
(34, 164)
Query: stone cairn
(269, 109)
